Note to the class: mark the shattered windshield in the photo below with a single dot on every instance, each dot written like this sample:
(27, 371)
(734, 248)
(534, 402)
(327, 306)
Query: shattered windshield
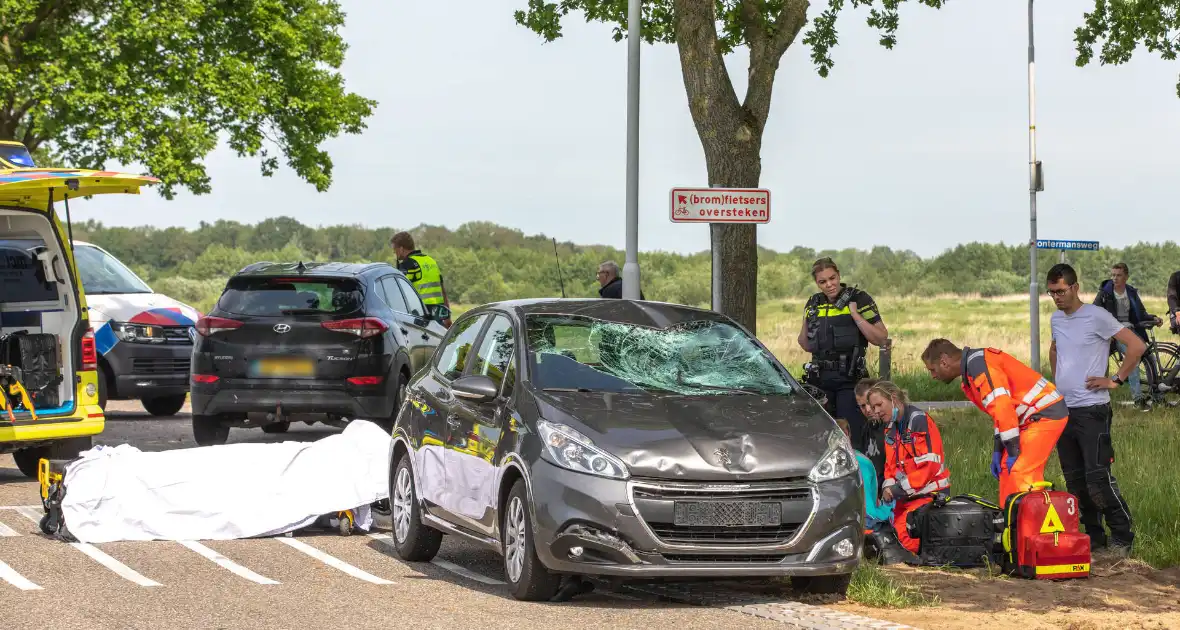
(569, 353)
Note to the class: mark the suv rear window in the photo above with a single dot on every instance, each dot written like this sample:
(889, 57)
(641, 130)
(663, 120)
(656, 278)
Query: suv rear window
(22, 279)
(285, 296)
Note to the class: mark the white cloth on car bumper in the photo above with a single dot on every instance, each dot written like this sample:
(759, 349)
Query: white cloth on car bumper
(225, 492)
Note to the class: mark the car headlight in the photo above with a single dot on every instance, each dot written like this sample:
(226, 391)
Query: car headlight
(138, 333)
(838, 461)
(572, 450)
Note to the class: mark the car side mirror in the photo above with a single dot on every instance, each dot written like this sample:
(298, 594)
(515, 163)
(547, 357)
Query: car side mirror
(439, 312)
(476, 388)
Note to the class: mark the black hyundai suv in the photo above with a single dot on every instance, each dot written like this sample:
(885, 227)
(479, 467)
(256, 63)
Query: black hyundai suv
(309, 341)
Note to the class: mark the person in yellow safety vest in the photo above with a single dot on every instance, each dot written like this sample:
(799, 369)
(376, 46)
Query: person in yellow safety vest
(421, 270)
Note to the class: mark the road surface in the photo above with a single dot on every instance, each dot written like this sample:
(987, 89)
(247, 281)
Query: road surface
(319, 580)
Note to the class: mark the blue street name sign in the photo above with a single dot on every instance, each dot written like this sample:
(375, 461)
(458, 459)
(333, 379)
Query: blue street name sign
(1067, 245)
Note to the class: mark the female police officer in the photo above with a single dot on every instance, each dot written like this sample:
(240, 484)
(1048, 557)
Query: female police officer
(838, 324)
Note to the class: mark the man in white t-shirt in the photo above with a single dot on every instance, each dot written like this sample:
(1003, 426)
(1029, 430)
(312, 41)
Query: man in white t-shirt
(1078, 357)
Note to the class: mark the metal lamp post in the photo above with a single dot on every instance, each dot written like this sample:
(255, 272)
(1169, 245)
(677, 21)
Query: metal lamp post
(631, 264)
(1034, 183)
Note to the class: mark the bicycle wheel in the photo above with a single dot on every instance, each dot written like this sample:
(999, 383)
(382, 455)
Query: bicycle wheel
(1167, 380)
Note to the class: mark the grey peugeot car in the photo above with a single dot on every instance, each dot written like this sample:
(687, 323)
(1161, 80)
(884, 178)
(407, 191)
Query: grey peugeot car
(625, 439)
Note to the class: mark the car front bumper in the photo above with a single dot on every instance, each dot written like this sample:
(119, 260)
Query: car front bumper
(141, 370)
(602, 518)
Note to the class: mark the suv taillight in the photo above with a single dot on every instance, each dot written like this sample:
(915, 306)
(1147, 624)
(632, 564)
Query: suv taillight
(89, 351)
(363, 327)
(208, 325)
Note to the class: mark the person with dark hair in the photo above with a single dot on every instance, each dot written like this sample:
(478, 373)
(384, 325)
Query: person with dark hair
(1078, 357)
(875, 439)
(1028, 413)
(838, 324)
(1122, 300)
(421, 270)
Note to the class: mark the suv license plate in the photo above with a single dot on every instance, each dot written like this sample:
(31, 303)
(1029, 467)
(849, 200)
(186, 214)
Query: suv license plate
(283, 368)
(728, 513)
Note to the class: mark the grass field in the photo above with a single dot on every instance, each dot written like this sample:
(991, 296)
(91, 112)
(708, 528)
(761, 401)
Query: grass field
(1146, 444)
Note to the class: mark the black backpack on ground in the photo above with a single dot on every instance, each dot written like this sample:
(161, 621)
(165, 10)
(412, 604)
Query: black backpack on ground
(964, 531)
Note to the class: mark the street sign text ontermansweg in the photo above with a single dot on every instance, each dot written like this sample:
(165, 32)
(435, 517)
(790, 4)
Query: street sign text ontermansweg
(720, 205)
(1067, 245)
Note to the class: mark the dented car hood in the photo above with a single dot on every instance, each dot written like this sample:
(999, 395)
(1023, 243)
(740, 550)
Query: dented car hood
(726, 437)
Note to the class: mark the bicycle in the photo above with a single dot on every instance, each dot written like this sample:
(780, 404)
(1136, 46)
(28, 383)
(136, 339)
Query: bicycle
(1159, 369)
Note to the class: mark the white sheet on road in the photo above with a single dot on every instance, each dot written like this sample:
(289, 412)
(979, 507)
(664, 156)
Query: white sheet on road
(225, 492)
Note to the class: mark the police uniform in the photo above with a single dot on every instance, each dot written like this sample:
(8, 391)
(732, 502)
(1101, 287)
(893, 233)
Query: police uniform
(423, 272)
(838, 362)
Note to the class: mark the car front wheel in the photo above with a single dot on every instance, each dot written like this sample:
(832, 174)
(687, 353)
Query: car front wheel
(164, 405)
(414, 541)
(528, 579)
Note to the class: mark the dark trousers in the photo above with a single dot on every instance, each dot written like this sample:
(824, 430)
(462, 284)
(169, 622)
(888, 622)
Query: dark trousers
(1086, 453)
(867, 437)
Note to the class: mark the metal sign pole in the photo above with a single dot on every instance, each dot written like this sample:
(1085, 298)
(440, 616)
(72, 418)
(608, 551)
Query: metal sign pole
(631, 265)
(1034, 293)
(715, 250)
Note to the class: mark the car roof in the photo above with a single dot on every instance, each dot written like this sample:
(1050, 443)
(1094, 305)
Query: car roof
(312, 269)
(636, 312)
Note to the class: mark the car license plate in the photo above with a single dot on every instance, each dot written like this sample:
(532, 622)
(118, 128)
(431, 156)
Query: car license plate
(283, 367)
(728, 513)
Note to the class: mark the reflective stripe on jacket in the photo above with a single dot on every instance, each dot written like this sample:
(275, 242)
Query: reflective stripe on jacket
(1009, 391)
(914, 461)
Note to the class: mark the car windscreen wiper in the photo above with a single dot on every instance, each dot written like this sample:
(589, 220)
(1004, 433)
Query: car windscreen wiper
(566, 389)
(301, 311)
(724, 388)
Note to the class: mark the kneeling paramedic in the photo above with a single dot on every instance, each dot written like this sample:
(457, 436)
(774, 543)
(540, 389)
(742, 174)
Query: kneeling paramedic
(838, 324)
(1028, 413)
(914, 468)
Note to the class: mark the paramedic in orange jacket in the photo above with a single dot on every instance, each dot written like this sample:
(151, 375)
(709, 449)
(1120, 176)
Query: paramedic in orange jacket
(1028, 412)
(914, 467)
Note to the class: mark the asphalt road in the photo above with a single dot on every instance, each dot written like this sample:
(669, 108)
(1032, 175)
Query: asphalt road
(320, 580)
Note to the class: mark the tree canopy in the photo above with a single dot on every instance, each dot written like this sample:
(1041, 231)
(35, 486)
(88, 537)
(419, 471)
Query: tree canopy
(161, 83)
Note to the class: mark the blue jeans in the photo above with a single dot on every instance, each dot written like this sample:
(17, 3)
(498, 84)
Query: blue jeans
(1133, 379)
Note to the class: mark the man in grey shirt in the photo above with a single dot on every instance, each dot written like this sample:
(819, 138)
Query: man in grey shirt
(1078, 357)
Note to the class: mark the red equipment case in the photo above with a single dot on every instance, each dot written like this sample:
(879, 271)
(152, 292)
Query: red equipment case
(1042, 535)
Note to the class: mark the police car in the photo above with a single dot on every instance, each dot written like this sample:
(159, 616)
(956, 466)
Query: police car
(144, 339)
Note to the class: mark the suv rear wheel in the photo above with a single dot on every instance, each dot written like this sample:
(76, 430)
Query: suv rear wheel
(414, 541)
(528, 579)
(164, 405)
(209, 430)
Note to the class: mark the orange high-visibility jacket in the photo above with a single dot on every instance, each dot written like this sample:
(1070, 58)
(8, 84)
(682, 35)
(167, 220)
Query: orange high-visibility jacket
(913, 455)
(1009, 391)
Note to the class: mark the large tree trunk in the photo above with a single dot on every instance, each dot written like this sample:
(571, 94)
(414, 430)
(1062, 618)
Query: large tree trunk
(731, 130)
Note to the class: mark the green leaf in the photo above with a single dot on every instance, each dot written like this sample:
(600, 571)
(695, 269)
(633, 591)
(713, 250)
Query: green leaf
(161, 84)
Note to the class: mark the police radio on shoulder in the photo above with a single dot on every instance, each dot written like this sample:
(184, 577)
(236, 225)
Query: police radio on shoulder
(845, 297)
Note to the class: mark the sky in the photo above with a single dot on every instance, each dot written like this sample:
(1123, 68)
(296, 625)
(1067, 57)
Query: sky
(919, 148)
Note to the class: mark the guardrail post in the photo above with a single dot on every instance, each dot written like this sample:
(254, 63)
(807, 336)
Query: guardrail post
(886, 359)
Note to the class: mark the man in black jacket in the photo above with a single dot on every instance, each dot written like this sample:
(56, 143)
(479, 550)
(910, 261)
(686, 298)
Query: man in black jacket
(1174, 301)
(1122, 300)
(612, 284)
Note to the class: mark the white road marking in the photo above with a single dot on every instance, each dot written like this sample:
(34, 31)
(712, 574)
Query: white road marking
(97, 555)
(331, 561)
(387, 540)
(21, 507)
(7, 531)
(12, 577)
(226, 563)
